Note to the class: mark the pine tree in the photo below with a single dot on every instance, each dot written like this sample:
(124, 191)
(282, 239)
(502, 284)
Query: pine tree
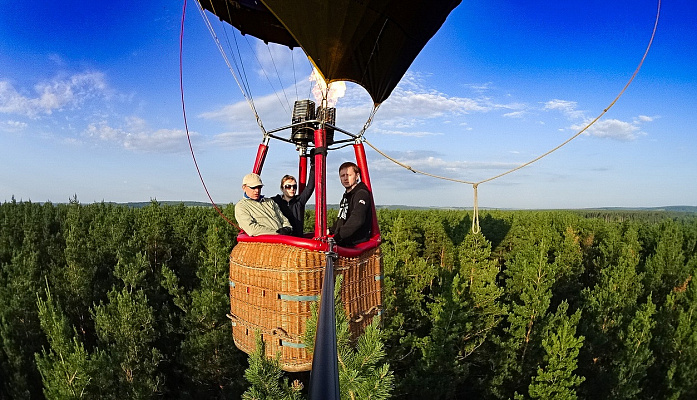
(211, 360)
(127, 332)
(67, 370)
(632, 361)
(463, 319)
(438, 247)
(609, 305)
(530, 277)
(20, 330)
(676, 340)
(408, 287)
(362, 372)
(73, 281)
(267, 378)
(555, 379)
(665, 268)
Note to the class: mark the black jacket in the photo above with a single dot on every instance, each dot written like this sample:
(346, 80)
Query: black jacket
(355, 220)
(294, 209)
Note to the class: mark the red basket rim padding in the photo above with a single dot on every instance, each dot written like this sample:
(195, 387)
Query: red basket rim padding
(312, 244)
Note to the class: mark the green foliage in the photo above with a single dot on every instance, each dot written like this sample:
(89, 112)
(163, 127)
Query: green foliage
(555, 378)
(362, 372)
(211, 361)
(635, 356)
(67, 370)
(463, 318)
(138, 301)
(126, 327)
(266, 378)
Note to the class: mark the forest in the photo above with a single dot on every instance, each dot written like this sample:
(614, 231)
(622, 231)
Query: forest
(105, 301)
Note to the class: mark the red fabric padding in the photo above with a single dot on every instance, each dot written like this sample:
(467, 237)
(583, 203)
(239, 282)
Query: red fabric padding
(312, 244)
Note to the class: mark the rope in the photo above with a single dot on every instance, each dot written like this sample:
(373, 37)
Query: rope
(295, 78)
(186, 125)
(475, 219)
(250, 102)
(475, 210)
(369, 121)
(279, 80)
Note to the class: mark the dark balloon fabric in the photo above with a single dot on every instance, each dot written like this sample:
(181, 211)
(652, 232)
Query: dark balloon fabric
(369, 42)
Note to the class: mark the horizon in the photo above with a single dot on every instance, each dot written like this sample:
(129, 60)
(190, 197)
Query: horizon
(91, 106)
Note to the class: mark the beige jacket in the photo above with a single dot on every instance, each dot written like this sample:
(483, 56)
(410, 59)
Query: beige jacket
(262, 217)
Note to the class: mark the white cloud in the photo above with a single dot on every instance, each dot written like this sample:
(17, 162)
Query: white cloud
(135, 135)
(479, 87)
(568, 108)
(644, 118)
(236, 139)
(405, 133)
(611, 128)
(431, 162)
(515, 114)
(12, 126)
(54, 95)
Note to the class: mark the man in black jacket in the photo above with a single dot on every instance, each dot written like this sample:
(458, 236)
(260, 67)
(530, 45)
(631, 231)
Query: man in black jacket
(354, 222)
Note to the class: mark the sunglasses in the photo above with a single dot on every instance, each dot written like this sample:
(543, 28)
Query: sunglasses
(290, 186)
(256, 187)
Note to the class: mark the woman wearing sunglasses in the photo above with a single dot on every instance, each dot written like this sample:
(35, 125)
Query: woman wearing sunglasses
(291, 203)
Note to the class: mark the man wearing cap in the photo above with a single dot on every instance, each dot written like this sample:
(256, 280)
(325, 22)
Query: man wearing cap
(258, 215)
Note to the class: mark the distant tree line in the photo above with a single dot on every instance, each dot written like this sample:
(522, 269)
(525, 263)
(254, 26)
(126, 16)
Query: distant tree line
(113, 302)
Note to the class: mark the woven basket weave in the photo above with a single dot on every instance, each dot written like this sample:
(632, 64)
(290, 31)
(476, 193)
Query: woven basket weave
(272, 286)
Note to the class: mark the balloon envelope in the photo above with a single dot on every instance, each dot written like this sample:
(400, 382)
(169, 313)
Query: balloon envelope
(369, 42)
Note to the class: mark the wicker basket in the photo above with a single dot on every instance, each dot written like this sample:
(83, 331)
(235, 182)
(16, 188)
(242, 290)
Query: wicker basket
(272, 286)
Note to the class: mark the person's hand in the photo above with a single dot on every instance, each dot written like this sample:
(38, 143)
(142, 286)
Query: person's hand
(317, 150)
(286, 230)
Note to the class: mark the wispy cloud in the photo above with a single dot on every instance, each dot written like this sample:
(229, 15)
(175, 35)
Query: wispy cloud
(644, 118)
(567, 108)
(432, 162)
(515, 114)
(406, 133)
(479, 87)
(135, 135)
(12, 126)
(60, 93)
(603, 128)
(612, 129)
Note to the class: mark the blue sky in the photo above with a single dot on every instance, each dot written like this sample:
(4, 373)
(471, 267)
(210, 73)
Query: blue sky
(90, 105)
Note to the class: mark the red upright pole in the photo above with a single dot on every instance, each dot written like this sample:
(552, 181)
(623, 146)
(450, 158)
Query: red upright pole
(302, 173)
(362, 163)
(320, 184)
(261, 156)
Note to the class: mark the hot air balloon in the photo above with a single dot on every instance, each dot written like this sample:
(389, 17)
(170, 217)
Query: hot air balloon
(275, 278)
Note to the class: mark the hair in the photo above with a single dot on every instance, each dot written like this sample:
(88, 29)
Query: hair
(348, 164)
(287, 178)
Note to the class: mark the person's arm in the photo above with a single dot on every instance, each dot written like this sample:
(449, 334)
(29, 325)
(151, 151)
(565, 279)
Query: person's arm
(285, 222)
(359, 213)
(248, 223)
(305, 195)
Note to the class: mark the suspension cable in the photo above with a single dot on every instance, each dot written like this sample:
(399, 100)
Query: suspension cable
(186, 125)
(476, 184)
(227, 62)
(286, 106)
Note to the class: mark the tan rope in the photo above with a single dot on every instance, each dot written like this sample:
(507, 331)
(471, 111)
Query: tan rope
(475, 218)
(475, 211)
